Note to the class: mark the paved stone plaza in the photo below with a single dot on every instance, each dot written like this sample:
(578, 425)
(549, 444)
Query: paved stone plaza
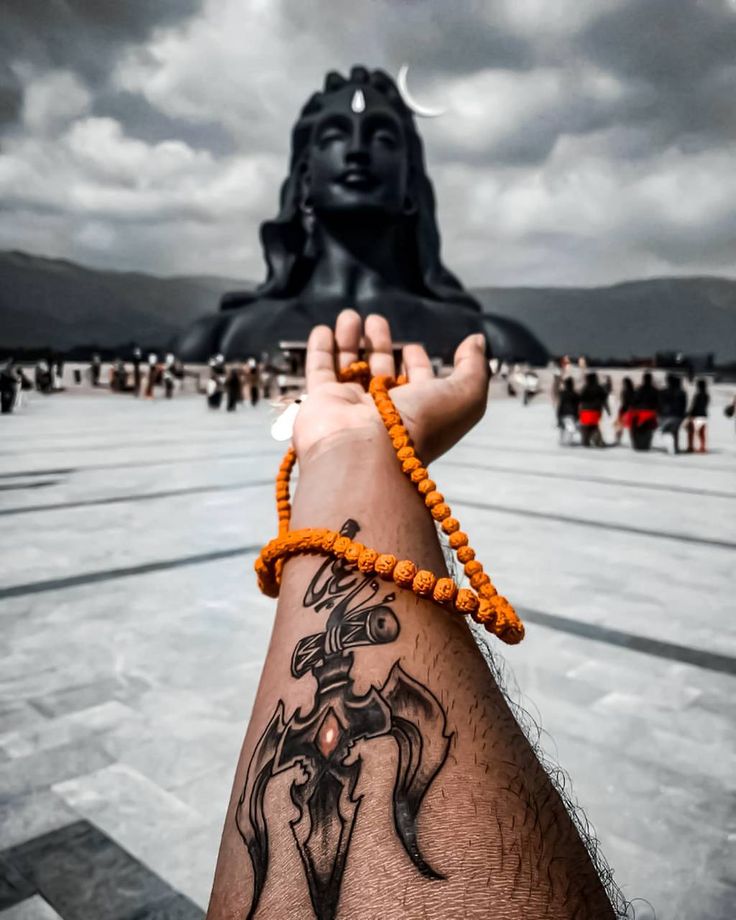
(133, 635)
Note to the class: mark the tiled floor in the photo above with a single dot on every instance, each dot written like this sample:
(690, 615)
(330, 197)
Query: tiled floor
(132, 637)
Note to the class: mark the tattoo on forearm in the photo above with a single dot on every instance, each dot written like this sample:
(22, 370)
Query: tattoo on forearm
(320, 742)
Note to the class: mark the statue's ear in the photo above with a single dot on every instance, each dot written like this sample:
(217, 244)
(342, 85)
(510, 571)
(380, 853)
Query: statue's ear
(306, 206)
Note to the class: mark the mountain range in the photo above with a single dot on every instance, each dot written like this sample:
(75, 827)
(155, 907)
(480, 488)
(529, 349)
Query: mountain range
(62, 305)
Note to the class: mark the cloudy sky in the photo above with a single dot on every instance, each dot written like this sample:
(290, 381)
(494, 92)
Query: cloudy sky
(585, 141)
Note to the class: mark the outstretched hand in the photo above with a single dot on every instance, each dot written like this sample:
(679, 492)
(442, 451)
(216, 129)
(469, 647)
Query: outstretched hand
(437, 412)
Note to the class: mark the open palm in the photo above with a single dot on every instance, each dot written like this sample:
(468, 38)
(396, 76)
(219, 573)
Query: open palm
(436, 411)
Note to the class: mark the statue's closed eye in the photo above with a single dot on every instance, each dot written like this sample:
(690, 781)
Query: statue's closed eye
(386, 139)
(329, 136)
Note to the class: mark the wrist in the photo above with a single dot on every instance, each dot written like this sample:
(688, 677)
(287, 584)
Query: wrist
(355, 474)
(360, 446)
(344, 474)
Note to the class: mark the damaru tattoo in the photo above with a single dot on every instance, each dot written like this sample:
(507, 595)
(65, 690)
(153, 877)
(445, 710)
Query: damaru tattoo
(321, 740)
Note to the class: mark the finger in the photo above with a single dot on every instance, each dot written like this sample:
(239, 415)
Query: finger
(470, 368)
(320, 364)
(348, 330)
(379, 345)
(417, 365)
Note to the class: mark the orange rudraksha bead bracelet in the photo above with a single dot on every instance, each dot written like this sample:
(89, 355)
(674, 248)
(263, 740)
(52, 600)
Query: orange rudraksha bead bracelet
(480, 601)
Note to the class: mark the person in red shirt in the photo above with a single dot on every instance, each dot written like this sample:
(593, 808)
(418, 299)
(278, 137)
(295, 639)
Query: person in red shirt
(644, 413)
(593, 403)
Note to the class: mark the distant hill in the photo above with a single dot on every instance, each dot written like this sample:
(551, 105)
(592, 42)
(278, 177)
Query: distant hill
(634, 318)
(60, 304)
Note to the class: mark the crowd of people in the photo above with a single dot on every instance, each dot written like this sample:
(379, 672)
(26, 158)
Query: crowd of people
(228, 384)
(642, 411)
(241, 382)
(14, 382)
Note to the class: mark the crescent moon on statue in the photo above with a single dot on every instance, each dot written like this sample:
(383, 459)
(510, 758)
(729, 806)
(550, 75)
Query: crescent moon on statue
(422, 111)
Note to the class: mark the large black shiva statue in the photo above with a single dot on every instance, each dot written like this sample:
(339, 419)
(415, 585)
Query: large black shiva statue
(356, 228)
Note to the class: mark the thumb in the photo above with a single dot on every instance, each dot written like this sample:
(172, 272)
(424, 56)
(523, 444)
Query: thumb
(470, 367)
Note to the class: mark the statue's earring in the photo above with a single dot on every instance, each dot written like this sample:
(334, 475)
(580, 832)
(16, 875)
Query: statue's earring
(308, 221)
(409, 207)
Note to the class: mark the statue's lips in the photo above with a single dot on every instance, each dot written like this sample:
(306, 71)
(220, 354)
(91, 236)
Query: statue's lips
(357, 179)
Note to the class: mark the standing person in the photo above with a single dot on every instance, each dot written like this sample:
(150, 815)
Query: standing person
(644, 413)
(42, 377)
(177, 372)
(168, 376)
(9, 387)
(233, 388)
(266, 379)
(672, 406)
(626, 402)
(531, 386)
(137, 376)
(593, 402)
(730, 410)
(697, 417)
(252, 382)
(216, 382)
(152, 376)
(568, 404)
(118, 376)
(95, 369)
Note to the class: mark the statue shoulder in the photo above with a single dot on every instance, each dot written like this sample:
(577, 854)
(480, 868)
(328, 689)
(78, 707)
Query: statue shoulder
(263, 323)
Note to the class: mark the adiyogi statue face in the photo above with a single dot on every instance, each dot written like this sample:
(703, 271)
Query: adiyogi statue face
(358, 157)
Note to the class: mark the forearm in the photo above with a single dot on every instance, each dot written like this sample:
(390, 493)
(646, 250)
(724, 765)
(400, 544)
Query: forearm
(473, 829)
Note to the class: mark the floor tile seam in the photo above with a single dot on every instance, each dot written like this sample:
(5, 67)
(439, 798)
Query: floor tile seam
(143, 464)
(187, 813)
(549, 474)
(84, 578)
(63, 471)
(75, 830)
(36, 484)
(598, 525)
(136, 497)
(677, 780)
(591, 455)
(228, 437)
(596, 632)
(658, 648)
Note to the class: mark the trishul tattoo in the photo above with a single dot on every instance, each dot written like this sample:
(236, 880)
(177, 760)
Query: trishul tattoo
(321, 740)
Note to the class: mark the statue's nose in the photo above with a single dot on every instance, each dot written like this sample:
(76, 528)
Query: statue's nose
(357, 151)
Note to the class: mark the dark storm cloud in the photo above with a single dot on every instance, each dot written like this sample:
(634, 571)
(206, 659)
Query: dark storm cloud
(679, 57)
(11, 94)
(665, 42)
(584, 140)
(674, 62)
(82, 35)
(460, 38)
(143, 121)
